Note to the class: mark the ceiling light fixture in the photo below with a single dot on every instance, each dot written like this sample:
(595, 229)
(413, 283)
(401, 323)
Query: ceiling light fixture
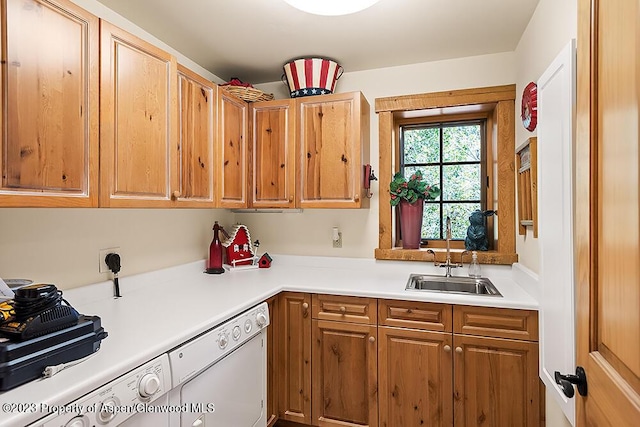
(331, 7)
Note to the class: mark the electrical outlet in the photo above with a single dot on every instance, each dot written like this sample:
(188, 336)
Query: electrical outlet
(102, 253)
(338, 243)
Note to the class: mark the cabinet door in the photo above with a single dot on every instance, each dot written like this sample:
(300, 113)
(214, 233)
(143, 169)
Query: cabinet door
(138, 115)
(333, 132)
(496, 382)
(294, 360)
(345, 383)
(197, 103)
(272, 362)
(415, 378)
(231, 187)
(272, 152)
(48, 104)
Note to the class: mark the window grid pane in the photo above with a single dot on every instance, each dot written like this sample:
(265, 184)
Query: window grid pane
(449, 155)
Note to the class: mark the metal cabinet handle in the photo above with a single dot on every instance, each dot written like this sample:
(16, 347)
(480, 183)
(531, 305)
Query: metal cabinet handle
(447, 348)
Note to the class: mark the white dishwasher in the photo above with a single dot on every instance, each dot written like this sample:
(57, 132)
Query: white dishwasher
(232, 390)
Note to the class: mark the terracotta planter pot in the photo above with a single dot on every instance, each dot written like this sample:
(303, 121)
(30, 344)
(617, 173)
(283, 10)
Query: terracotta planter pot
(411, 223)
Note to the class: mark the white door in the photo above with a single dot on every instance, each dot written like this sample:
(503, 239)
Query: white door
(556, 121)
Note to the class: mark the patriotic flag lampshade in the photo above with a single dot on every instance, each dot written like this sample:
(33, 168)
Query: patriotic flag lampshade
(311, 76)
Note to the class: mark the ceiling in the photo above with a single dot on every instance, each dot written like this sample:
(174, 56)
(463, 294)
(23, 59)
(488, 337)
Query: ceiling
(252, 39)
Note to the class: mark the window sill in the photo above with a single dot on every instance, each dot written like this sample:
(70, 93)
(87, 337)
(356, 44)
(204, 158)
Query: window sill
(484, 257)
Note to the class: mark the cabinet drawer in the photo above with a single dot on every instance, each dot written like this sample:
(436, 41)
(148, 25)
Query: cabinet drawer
(344, 309)
(496, 322)
(415, 315)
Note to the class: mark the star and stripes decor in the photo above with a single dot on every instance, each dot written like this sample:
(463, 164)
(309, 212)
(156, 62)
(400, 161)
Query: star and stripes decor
(311, 76)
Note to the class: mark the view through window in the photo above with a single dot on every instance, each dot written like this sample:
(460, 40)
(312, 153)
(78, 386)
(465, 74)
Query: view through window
(451, 156)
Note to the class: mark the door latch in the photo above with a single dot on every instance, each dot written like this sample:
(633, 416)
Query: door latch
(566, 382)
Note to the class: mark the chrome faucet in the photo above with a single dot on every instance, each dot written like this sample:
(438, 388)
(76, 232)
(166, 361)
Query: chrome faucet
(447, 264)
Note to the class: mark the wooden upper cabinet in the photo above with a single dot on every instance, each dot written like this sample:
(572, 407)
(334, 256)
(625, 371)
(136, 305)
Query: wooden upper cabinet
(197, 105)
(138, 122)
(333, 144)
(231, 146)
(49, 104)
(272, 152)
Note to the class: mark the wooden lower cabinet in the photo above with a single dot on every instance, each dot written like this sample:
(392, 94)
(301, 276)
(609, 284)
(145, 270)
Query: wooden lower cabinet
(495, 382)
(415, 377)
(294, 357)
(273, 345)
(339, 373)
(344, 372)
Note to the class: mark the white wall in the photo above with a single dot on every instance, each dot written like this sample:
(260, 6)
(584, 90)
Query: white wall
(553, 24)
(309, 232)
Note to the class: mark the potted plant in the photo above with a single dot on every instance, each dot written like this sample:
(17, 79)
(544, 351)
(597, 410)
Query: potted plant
(409, 195)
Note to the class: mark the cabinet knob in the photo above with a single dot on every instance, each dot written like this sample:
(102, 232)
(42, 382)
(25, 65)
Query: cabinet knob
(447, 348)
(459, 350)
(175, 195)
(372, 339)
(305, 306)
(290, 199)
(343, 309)
(357, 198)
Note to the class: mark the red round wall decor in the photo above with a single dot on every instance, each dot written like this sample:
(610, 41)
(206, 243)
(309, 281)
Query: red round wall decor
(529, 112)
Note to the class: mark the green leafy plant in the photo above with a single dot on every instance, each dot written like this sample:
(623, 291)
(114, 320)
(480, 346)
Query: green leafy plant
(412, 189)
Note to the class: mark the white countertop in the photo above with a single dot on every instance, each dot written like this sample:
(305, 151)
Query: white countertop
(162, 309)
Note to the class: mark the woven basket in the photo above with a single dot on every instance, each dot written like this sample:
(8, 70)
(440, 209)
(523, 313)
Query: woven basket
(248, 94)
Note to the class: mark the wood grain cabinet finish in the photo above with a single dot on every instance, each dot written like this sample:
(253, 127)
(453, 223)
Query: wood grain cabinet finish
(138, 122)
(415, 377)
(48, 104)
(272, 154)
(415, 315)
(345, 384)
(294, 357)
(231, 146)
(195, 149)
(333, 145)
(273, 345)
(345, 309)
(496, 322)
(495, 382)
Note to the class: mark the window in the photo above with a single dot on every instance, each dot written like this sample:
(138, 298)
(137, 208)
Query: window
(493, 108)
(451, 156)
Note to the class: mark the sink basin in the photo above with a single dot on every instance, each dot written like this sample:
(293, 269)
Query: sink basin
(456, 285)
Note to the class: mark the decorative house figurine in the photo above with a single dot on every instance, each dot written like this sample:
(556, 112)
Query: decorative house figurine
(265, 261)
(238, 247)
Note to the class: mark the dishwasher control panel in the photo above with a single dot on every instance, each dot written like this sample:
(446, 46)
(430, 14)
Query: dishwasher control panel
(195, 355)
(118, 400)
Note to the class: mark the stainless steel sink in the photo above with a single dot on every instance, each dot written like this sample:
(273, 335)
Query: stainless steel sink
(456, 285)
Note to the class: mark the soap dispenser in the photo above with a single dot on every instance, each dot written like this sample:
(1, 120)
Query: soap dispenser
(474, 266)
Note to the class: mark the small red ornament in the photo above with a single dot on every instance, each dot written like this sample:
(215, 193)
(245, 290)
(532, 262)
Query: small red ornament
(529, 112)
(265, 261)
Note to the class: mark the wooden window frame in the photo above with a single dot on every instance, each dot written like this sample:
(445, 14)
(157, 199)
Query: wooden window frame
(497, 103)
